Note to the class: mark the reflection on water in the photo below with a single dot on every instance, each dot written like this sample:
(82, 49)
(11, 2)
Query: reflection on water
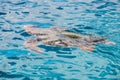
(98, 17)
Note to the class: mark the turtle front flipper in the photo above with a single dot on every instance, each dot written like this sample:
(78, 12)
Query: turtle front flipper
(32, 44)
(109, 42)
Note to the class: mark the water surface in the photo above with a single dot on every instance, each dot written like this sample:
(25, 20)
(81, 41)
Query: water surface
(89, 17)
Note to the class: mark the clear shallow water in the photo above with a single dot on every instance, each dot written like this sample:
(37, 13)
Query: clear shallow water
(98, 17)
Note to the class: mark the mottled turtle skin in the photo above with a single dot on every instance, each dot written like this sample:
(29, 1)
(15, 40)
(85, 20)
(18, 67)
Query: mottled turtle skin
(56, 36)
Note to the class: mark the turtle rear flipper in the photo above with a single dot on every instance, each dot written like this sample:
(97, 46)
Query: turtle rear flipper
(87, 48)
(32, 44)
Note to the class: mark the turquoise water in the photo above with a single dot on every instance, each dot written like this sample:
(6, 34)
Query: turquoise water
(97, 17)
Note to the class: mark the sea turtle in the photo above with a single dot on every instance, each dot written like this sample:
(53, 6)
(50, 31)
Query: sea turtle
(56, 36)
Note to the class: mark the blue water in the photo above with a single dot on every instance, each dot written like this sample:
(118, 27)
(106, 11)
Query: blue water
(96, 17)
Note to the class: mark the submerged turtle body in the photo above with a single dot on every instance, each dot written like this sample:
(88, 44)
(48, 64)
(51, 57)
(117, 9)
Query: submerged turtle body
(56, 36)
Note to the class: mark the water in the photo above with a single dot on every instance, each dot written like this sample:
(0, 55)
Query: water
(97, 17)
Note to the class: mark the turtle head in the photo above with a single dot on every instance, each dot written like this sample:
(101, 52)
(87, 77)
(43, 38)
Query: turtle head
(29, 28)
